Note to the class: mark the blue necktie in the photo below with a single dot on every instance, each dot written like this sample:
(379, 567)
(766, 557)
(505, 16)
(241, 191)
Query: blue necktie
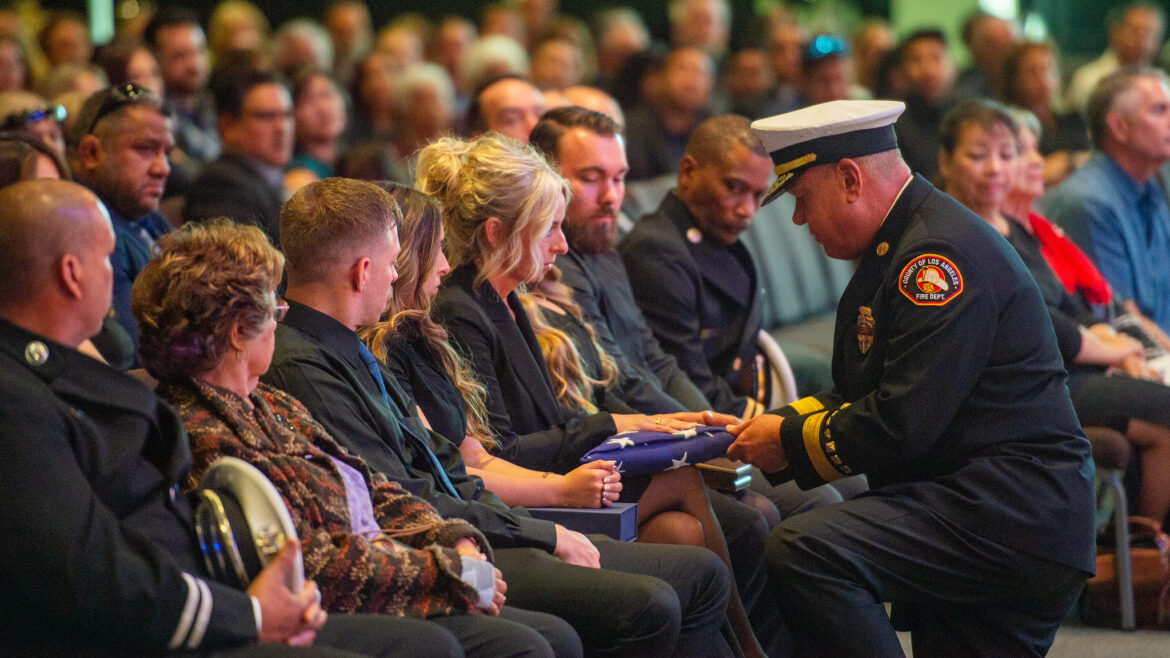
(419, 443)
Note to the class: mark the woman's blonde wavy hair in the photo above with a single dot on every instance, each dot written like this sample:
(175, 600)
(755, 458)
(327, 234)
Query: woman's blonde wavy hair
(492, 176)
(409, 307)
(571, 383)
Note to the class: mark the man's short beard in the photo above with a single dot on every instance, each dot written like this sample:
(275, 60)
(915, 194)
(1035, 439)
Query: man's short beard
(589, 237)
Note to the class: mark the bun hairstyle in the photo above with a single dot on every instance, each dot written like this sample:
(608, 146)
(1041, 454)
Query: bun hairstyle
(492, 176)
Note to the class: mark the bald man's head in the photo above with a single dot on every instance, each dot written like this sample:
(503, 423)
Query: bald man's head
(57, 239)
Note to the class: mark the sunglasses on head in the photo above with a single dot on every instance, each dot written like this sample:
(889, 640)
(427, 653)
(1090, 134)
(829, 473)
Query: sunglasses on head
(116, 99)
(17, 121)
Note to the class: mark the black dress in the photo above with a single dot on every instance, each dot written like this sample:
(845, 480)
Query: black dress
(418, 371)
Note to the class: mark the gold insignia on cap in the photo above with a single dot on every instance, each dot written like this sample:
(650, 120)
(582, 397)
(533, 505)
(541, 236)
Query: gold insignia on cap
(883, 248)
(694, 235)
(36, 353)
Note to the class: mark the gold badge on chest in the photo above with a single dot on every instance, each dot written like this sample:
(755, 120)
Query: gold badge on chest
(865, 327)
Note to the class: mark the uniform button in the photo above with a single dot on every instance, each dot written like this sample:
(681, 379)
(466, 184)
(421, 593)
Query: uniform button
(36, 353)
(883, 248)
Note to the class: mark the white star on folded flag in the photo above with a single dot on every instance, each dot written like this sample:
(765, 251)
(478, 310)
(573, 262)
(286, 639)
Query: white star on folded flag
(621, 442)
(678, 463)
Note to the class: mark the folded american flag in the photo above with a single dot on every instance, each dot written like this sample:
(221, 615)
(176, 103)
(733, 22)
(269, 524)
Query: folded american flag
(642, 452)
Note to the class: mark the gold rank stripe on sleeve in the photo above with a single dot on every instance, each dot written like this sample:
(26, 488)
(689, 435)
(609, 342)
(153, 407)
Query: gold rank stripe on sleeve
(805, 406)
(812, 446)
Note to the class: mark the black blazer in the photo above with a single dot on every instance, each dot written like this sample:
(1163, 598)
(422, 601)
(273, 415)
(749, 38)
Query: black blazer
(697, 309)
(533, 429)
(316, 360)
(98, 546)
(231, 186)
(651, 379)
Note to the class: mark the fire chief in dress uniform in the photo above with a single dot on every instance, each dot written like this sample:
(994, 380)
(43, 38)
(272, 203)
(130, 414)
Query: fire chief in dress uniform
(949, 392)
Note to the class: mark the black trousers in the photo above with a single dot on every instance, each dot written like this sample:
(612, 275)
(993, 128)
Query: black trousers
(958, 593)
(646, 600)
(514, 633)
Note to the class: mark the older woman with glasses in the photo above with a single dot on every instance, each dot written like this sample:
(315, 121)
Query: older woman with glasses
(207, 309)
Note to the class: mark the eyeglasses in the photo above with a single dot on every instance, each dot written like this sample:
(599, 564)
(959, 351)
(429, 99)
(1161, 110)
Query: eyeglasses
(280, 311)
(18, 121)
(117, 98)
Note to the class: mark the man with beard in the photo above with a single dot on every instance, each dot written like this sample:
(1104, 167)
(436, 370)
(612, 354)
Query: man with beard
(119, 149)
(586, 147)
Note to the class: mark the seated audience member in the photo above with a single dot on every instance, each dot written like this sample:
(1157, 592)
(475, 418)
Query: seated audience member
(449, 48)
(786, 41)
(115, 456)
(951, 398)
(872, 40)
(1031, 80)
(179, 45)
(245, 183)
(27, 158)
(1076, 272)
(620, 33)
(693, 279)
(14, 72)
(341, 245)
(65, 39)
(28, 113)
(1135, 31)
(494, 56)
(131, 64)
(749, 82)
(373, 88)
(928, 75)
(208, 309)
(1114, 207)
(509, 105)
(978, 160)
(826, 71)
(235, 26)
(593, 98)
(119, 150)
(703, 24)
(319, 116)
(24, 158)
(556, 64)
(511, 184)
(301, 44)
(988, 39)
(350, 32)
(657, 130)
(425, 100)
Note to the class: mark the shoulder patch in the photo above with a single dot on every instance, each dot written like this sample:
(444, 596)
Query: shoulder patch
(930, 280)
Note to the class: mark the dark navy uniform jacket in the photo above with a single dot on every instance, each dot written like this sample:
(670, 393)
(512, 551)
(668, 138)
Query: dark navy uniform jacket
(698, 310)
(949, 387)
(98, 548)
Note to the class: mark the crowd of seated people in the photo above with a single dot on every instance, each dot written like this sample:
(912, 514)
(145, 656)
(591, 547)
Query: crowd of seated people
(469, 310)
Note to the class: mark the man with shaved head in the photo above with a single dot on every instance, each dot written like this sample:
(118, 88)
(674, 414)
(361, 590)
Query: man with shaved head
(100, 550)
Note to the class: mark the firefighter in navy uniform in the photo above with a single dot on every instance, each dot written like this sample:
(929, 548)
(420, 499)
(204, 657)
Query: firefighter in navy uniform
(949, 393)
